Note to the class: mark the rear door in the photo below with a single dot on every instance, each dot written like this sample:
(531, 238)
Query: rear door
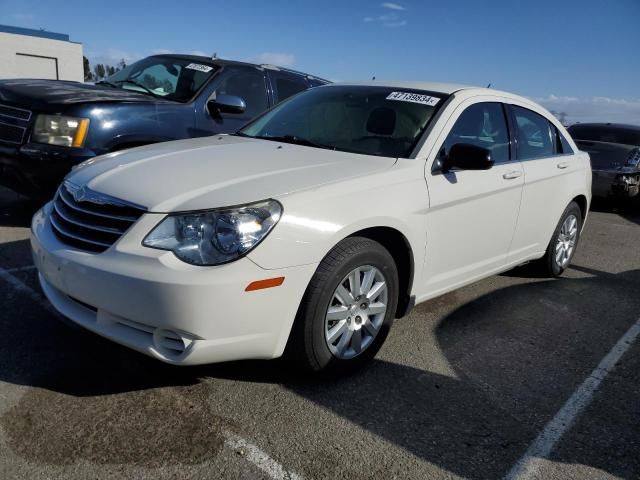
(286, 84)
(472, 213)
(549, 165)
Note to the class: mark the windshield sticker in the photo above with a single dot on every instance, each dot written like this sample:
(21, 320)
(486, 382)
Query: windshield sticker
(414, 98)
(199, 67)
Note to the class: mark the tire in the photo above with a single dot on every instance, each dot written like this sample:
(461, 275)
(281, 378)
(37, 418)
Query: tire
(549, 265)
(309, 344)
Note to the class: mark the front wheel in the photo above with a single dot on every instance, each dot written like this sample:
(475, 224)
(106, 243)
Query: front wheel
(348, 308)
(563, 243)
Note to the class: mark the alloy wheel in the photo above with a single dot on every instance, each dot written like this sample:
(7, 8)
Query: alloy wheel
(356, 312)
(566, 243)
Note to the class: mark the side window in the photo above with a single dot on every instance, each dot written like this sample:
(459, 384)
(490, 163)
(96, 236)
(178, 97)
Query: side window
(286, 85)
(248, 85)
(484, 125)
(534, 135)
(562, 146)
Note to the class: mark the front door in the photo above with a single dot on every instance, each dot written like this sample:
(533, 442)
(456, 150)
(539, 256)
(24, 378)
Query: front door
(246, 83)
(472, 213)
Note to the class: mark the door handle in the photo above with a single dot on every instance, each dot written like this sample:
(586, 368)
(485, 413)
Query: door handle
(512, 175)
(562, 165)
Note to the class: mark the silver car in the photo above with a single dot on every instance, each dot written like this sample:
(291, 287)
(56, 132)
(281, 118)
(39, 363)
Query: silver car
(615, 156)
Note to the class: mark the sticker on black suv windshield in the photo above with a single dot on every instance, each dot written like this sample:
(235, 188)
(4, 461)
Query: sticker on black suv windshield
(414, 98)
(199, 67)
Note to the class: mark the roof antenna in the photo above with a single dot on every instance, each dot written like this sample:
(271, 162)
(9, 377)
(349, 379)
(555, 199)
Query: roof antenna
(489, 86)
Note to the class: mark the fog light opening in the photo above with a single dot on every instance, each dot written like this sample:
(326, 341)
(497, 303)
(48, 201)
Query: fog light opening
(171, 344)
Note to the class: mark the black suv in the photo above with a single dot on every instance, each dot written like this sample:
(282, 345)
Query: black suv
(615, 157)
(47, 126)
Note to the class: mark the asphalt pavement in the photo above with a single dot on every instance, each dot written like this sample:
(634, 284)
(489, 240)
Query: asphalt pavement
(463, 387)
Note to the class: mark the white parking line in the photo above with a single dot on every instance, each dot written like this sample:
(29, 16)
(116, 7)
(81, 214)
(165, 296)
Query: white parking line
(259, 458)
(528, 466)
(251, 452)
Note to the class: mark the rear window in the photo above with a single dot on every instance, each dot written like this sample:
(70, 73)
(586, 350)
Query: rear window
(605, 133)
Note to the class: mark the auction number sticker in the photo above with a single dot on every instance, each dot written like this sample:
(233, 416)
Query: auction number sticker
(414, 98)
(199, 67)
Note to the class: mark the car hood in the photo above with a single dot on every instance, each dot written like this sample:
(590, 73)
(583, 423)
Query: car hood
(217, 171)
(605, 155)
(34, 94)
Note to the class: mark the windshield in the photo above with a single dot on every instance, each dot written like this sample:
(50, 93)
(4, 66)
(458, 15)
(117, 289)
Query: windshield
(168, 77)
(369, 120)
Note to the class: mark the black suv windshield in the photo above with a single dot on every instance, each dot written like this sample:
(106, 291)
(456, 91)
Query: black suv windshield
(164, 76)
(369, 120)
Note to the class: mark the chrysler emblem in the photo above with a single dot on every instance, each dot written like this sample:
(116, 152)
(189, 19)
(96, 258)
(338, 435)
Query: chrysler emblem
(85, 194)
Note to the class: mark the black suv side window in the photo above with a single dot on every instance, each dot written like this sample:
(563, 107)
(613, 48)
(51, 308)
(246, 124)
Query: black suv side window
(248, 85)
(314, 82)
(534, 134)
(286, 84)
(484, 125)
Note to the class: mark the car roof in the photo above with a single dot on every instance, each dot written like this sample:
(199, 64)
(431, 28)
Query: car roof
(444, 88)
(625, 126)
(226, 62)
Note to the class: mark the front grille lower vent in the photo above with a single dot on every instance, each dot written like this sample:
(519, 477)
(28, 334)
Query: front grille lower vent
(94, 223)
(11, 133)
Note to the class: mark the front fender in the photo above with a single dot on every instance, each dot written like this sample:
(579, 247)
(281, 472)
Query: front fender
(313, 222)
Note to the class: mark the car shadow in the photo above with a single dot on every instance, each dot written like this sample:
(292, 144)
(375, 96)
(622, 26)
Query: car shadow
(16, 210)
(628, 209)
(514, 366)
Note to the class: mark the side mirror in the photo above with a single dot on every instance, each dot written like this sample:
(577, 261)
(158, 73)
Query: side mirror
(466, 156)
(226, 104)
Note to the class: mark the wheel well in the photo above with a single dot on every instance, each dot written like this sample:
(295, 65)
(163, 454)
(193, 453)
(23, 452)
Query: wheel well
(400, 249)
(581, 200)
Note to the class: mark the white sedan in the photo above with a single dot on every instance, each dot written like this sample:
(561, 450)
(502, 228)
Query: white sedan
(313, 227)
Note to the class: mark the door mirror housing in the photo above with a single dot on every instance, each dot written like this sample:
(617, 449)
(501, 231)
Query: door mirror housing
(466, 156)
(226, 104)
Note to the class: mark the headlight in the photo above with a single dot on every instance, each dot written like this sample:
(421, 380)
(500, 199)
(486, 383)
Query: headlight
(60, 130)
(633, 160)
(216, 236)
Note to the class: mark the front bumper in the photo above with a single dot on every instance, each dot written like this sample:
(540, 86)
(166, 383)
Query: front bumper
(150, 301)
(615, 183)
(36, 169)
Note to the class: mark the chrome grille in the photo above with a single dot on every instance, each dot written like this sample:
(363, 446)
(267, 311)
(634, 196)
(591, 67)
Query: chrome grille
(14, 112)
(92, 223)
(11, 133)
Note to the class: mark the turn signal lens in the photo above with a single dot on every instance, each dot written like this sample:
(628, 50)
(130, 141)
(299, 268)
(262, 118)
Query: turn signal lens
(267, 283)
(81, 133)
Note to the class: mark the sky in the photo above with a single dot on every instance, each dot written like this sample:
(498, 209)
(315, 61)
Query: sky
(581, 57)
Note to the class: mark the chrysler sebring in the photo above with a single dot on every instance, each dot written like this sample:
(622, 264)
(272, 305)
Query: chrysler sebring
(313, 227)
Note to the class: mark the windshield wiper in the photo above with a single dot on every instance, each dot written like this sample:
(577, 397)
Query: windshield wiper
(107, 82)
(295, 140)
(138, 84)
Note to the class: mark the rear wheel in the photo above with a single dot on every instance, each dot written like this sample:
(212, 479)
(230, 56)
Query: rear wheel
(348, 308)
(563, 243)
